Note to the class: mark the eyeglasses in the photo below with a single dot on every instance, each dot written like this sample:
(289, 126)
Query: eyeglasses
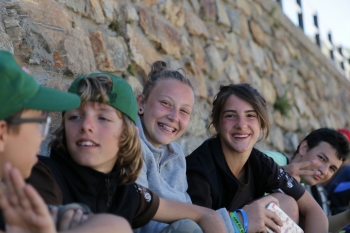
(44, 123)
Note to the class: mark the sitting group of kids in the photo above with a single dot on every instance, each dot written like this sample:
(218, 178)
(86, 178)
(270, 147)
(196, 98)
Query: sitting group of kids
(116, 156)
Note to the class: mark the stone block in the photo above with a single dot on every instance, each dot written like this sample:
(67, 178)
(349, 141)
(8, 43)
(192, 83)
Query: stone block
(234, 17)
(195, 71)
(109, 7)
(222, 16)
(195, 25)
(207, 10)
(199, 54)
(160, 32)
(143, 54)
(268, 91)
(175, 13)
(215, 61)
(257, 33)
(110, 52)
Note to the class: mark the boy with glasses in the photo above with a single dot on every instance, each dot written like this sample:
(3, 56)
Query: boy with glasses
(23, 127)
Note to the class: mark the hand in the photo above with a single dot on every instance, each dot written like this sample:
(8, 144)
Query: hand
(295, 169)
(23, 209)
(259, 217)
(70, 219)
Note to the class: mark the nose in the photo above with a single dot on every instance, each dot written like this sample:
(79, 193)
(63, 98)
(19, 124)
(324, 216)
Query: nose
(87, 124)
(323, 169)
(241, 123)
(173, 115)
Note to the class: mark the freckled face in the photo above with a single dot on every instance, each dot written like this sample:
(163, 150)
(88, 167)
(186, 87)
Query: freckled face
(166, 112)
(239, 127)
(93, 135)
(326, 159)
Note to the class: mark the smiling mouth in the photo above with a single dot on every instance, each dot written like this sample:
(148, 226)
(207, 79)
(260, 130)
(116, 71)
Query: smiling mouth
(86, 143)
(167, 128)
(240, 136)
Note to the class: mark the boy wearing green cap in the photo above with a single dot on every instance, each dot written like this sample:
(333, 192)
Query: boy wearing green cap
(23, 126)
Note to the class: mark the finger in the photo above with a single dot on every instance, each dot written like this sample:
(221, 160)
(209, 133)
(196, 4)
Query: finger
(11, 193)
(308, 173)
(37, 203)
(304, 164)
(274, 217)
(65, 220)
(18, 185)
(53, 211)
(272, 225)
(77, 218)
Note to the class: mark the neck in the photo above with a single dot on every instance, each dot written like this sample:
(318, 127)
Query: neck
(236, 161)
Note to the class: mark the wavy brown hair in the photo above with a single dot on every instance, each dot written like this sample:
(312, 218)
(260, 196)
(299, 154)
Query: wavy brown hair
(129, 159)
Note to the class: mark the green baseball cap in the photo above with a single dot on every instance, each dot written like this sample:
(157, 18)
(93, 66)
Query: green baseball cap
(121, 97)
(19, 90)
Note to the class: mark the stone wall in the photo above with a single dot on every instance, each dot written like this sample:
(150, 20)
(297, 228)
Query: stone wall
(216, 41)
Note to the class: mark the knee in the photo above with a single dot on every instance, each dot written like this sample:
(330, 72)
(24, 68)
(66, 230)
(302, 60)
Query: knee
(288, 205)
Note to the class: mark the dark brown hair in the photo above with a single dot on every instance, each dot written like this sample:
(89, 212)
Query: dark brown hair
(247, 93)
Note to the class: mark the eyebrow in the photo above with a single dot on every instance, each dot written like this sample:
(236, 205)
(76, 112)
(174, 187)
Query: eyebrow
(234, 111)
(173, 100)
(326, 157)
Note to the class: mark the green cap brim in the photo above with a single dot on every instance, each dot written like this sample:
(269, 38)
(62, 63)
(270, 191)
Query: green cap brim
(48, 99)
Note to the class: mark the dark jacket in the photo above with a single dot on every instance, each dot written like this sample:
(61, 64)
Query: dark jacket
(212, 184)
(99, 191)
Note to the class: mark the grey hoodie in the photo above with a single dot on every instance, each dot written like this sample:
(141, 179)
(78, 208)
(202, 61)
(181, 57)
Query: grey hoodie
(164, 172)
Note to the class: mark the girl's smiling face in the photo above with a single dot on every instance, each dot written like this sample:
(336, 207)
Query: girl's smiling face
(238, 127)
(166, 112)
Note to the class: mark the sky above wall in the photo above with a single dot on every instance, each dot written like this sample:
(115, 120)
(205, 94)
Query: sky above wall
(333, 15)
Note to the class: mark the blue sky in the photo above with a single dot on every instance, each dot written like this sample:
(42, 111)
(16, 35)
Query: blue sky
(333, 15)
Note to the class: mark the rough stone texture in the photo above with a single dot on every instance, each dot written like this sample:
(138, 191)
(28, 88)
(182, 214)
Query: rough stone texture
(90, 9)
(175, 13)
(195, 71)
(277, 138)
(108, 8)
(257, 33)
(195, 25)
(222, 17)
(244, 6)
(207, 10)
(234, 17)
(199, 54)
(268, 91)
(161, 32)
(143, 54)
(231, 43)
(215, 61)
(102, 57)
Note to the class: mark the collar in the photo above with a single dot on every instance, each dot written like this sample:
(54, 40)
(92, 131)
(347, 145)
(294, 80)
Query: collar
(165, 149)
(84, 178)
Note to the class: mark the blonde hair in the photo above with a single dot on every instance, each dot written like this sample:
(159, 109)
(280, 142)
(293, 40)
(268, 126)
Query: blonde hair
(129, 159)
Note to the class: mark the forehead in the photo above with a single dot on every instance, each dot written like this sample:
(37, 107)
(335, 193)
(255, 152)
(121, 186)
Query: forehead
(233, 102)
(173, 88)
(326, 149)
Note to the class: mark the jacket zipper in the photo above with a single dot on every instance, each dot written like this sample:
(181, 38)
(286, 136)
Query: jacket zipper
(108, 185)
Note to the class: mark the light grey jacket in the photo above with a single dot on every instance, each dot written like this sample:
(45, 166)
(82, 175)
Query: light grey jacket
(164, 172)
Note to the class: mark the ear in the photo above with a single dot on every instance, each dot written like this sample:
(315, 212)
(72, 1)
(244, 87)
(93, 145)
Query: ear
(140, 102)
(3, 135)
(303, 148)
